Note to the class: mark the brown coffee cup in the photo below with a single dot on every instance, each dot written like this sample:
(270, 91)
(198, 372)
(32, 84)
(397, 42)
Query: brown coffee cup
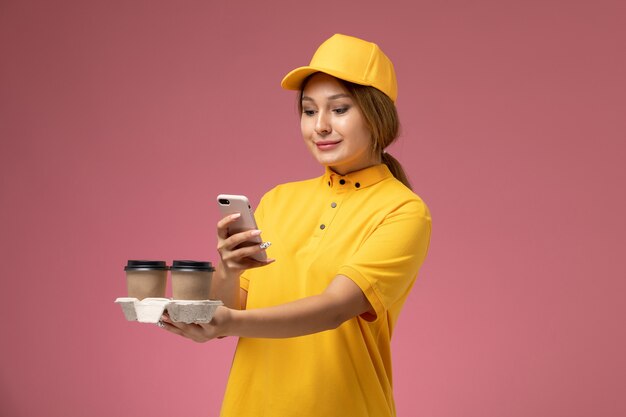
(191, 280)
(146, 279)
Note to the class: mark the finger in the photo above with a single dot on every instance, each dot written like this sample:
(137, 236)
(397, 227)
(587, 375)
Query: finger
(239, 238)
(174, 325)
(250, 263)
(228, 247)
(222, 225)
(191, 331)
(172, 329)
(246, 252)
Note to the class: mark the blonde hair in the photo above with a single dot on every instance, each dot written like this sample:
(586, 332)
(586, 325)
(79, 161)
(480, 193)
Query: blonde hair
(382, 121)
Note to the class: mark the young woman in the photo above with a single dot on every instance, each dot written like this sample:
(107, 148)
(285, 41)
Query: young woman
(315, 326)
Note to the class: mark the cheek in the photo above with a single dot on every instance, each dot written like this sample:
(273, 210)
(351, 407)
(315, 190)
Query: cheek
(356, 130)
(305, 127)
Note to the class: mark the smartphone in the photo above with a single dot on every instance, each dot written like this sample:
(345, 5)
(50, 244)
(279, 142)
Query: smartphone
(231, 204)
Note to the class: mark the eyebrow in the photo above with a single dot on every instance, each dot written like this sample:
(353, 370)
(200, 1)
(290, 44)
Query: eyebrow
(333, 97)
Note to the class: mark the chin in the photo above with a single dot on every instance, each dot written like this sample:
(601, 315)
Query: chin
(329, 163)
(324, 159)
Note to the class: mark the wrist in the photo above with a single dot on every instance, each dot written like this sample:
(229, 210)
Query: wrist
(226, 273)
(229, 322)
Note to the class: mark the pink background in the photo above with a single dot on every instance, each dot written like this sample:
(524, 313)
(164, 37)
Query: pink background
(120, 121)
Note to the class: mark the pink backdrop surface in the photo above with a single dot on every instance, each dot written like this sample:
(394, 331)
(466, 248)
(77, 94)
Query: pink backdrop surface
(120, 121)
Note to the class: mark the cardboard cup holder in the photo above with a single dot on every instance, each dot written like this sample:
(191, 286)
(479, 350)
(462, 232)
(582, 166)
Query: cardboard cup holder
(150, 310)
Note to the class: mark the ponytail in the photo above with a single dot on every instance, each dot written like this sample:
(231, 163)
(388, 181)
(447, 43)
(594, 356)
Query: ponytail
(384, 124)
(396, 169)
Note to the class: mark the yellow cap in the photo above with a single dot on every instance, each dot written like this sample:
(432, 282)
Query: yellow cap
(350, 59)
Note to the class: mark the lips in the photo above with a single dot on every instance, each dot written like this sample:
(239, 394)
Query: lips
(325, 145)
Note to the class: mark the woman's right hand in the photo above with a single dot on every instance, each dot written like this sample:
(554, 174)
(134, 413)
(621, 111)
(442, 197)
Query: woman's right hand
(235, 257)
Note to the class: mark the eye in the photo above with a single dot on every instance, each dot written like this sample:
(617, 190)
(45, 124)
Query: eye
(307, 112)
(341, 110)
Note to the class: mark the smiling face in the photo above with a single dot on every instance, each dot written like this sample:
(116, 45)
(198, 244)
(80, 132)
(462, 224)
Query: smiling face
(333, 126)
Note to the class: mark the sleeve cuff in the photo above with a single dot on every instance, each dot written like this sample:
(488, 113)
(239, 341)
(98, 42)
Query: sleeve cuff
(244, 283)
(368, 290)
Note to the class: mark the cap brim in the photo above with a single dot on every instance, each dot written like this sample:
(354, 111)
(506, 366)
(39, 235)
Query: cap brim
(293, 80)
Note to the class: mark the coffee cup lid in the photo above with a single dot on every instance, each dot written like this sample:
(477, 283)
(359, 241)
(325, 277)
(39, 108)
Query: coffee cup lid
(193, 266)
(137, 265)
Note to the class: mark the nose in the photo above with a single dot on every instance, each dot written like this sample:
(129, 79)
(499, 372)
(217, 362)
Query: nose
(322, 124)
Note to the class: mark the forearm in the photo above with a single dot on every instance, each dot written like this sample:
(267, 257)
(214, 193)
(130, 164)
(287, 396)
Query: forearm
(342, 300)
(298, 318)
(225, 287)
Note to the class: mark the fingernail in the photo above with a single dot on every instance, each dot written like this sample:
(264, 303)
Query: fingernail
(235, 216)
(255, 232)
(265, 245)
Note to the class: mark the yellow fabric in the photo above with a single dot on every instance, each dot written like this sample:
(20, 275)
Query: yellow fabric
(351, 59)
(378, 235)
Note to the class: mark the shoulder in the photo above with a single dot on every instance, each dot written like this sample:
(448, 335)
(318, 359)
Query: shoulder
(397, 197)
(292, 189)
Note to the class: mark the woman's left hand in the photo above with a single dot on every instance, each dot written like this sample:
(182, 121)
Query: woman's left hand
(200, 332)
